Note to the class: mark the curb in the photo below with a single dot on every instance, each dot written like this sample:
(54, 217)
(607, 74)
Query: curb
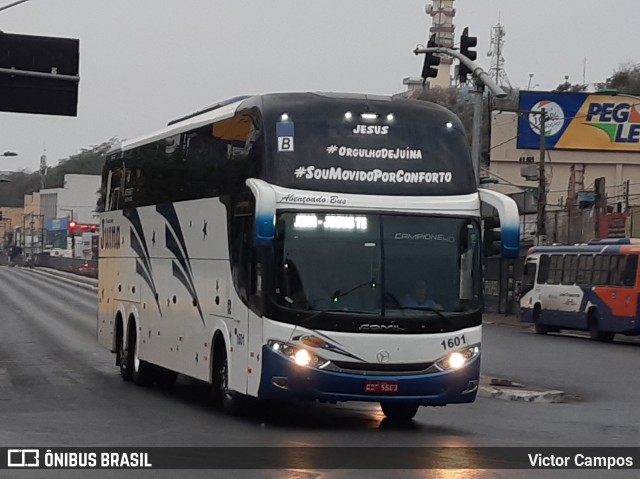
(522, 395)
(510, 391)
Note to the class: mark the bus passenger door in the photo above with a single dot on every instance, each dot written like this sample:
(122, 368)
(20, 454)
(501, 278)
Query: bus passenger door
(257, 299)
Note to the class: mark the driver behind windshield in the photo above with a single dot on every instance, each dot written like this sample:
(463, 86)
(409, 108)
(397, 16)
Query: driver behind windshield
(419, 298)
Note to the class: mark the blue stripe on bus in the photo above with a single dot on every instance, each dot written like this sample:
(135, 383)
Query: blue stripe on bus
(510, 241)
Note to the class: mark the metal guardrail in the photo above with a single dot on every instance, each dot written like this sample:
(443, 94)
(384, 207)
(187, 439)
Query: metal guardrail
(79, 266)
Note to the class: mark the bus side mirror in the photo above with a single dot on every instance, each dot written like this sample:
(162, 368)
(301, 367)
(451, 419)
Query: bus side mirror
(504, 231)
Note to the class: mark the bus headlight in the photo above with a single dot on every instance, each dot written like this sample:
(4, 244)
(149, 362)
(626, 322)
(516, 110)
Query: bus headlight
(456, 359)
(301, 356)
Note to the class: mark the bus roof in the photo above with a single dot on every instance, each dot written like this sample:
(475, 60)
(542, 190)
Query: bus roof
(228, 108)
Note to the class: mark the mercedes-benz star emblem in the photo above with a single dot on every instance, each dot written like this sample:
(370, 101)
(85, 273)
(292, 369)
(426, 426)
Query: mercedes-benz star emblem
(382, 356)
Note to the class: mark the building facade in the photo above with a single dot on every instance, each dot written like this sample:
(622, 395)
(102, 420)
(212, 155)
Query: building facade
(592, 151)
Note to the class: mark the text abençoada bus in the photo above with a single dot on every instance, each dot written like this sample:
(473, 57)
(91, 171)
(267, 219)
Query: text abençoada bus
(590, 287)
(266, 245)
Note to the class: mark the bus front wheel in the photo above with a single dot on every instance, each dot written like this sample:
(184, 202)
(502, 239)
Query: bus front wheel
(537, 321)
(595, 333)
(399, 412)
(223, 397)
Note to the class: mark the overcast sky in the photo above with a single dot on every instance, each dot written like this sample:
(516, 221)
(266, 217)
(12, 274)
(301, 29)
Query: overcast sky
(145, 62)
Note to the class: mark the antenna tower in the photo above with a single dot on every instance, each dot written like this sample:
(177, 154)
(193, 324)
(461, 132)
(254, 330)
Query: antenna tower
(497, 72)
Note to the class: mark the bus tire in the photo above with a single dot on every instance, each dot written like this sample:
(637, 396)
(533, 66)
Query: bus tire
(122, 358)
(141, 371)
(399, 412)
(594, 331)
(537, 321)
(229, 401)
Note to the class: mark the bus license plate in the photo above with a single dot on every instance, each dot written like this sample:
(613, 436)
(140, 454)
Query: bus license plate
(381, 387)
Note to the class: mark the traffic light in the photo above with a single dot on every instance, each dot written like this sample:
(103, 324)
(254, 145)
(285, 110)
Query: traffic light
(431, 60)
(491, 236)
(466, 42)
(72, 228)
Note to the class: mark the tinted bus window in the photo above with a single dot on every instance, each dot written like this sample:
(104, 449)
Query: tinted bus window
(630, 270)
(543, 273)
(570, 269)
(555, 269)
(528, 277)
(583, 275)
(597, 270)
(614, 269)
(413, 154)
(605, 269)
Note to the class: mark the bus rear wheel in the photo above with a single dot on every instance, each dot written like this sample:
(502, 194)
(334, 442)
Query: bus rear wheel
(141, 371)
(122, 357)
(595, 333)
(537, 321)
(399, 412)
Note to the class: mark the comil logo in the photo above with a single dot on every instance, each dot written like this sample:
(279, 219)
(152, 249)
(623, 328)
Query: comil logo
(554, 117)
(23, 458)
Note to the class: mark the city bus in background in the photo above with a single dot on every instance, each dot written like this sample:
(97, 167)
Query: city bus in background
(265, 245)
(591, 287)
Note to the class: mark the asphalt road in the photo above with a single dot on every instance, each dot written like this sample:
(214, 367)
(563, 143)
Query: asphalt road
(58, 388)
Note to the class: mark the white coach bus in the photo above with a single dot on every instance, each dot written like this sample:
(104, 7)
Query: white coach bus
(270, 246)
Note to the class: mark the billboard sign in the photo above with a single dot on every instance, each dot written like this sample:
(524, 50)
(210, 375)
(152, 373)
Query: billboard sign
(580, 121)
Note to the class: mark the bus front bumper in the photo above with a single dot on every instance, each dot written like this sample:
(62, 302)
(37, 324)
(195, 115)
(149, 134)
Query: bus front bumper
(283, 379)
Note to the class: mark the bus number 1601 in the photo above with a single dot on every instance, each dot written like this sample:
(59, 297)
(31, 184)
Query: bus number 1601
(453, 342)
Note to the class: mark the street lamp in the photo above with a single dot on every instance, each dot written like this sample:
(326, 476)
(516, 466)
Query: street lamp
(9, 153)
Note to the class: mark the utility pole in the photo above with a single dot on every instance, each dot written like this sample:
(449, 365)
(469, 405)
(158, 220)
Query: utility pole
(541, 228)
(542, 180)
(31, 242)
(627, 185)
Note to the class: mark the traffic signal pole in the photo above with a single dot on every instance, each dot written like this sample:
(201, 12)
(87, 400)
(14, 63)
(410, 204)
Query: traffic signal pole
(476, 128)
(482, 80)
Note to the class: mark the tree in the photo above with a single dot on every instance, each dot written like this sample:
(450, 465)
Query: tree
(88, 162)
(626, 79)
(568, 87)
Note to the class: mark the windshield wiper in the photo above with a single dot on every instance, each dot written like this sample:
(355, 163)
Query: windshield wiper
(338, 294)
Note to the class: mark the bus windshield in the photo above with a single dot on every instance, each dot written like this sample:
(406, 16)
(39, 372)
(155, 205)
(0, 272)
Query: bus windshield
(387, 265)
